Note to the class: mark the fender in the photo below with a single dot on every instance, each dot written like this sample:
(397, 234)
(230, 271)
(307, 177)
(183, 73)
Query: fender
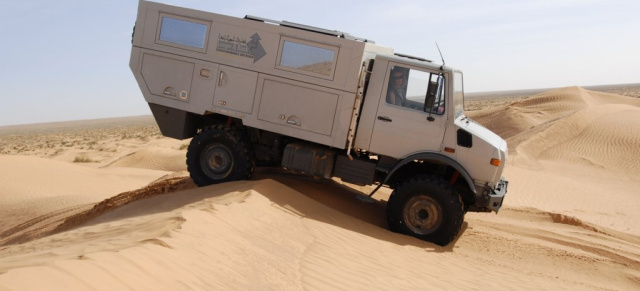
(434, 157)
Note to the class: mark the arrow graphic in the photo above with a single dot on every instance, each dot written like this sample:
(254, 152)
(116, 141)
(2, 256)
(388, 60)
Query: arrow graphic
(256, 48)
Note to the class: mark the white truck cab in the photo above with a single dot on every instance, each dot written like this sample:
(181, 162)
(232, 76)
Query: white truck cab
(257, 92)
(431, 122)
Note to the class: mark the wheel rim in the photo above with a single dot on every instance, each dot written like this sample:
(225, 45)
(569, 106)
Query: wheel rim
(423, 215)
(217, 161)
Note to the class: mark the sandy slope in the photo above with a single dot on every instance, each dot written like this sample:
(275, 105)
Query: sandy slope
(36, 192)
(570, 220)
(570, 144)
(158, 158)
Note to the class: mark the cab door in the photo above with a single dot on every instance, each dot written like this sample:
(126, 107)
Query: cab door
(411, 117)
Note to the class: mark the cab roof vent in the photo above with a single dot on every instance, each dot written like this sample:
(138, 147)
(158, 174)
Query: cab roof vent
(413, 57)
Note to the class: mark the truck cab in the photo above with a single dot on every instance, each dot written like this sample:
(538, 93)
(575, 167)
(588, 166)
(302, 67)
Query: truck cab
(429, 123)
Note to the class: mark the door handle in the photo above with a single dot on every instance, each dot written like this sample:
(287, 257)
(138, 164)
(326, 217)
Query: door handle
(294, 120)
(384, 118)
(222, 79)
(169, 91)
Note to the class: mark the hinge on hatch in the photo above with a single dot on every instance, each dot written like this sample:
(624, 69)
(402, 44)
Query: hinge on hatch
(356, 108)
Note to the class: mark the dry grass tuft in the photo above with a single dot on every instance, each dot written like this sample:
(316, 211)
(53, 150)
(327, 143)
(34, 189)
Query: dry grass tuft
(83, 159)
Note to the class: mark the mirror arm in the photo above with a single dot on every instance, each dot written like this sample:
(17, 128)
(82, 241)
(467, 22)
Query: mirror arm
(430, 106)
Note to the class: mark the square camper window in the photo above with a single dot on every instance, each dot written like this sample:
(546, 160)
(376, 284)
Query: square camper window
(308, 58)
(183, 33)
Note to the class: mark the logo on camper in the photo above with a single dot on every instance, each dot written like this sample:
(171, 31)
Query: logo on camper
(241, 47)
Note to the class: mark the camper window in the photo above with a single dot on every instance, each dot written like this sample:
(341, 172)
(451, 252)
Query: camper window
(312, 59)
(183, 32)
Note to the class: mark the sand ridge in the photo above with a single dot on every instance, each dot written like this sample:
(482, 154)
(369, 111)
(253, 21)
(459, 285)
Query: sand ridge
(35, 190)
(572, 124)
(238, 238)
(158, 158)
(569, 221)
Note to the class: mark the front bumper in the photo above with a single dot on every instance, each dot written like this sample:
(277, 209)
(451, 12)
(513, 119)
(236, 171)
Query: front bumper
(493, 198)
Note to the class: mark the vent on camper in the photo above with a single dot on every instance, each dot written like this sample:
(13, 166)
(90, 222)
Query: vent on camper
(309, 28)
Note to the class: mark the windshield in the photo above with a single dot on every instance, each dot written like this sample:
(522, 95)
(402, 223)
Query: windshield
(458, 94)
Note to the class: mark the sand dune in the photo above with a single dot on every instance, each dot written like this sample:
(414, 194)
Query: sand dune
(37, 193)
(601, 136)
(570, 220)
(265, 235)
(518, 118)
(571, 124)
(157, 158)
(574, 151)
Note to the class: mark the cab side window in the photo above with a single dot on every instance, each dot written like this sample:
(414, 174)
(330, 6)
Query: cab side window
(415, 89)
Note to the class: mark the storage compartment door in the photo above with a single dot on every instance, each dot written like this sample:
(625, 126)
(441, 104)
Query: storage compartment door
(167, 77)
(235, 89)
(298, 107)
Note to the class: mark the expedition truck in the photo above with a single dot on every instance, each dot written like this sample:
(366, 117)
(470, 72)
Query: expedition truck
(257, 92)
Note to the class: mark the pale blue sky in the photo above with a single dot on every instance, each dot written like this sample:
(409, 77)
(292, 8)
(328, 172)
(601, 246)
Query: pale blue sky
(68, 59)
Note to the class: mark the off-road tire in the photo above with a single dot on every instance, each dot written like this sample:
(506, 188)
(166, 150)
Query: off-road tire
(426, 207)
(219, 154)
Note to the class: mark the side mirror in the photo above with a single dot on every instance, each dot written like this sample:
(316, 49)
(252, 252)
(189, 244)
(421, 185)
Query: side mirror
(434, 92)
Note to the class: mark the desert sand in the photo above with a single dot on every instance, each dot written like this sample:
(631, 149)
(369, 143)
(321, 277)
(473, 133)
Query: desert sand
(108, 205)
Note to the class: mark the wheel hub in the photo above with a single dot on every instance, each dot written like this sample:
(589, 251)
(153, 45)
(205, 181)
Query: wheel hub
(217, 161)
(423, 215)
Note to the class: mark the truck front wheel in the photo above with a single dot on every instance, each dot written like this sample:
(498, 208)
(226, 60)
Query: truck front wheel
(427, 208)
(219, 154)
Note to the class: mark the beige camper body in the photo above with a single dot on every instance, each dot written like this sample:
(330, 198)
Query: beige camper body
(282, 79)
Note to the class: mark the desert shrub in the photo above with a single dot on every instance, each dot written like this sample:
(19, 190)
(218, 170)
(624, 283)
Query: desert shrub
(83, 159)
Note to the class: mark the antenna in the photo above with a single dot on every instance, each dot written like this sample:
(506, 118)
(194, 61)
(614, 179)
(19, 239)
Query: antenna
(441, 67)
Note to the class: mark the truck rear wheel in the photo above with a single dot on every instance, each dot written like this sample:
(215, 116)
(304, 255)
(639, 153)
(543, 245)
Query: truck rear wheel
(427, 208)
(219, 154)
